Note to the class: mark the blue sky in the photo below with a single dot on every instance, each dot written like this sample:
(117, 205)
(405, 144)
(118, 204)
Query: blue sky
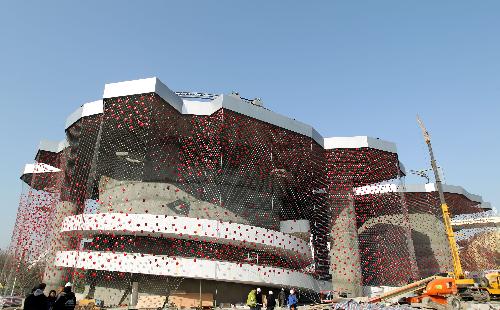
(345, 67)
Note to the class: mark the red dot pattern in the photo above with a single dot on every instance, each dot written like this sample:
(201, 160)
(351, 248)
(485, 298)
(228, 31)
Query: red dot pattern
(141, 156)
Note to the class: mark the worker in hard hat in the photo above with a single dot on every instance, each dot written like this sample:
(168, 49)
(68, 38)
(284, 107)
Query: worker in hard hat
(258, 298)
(66, 299)
(271, 302)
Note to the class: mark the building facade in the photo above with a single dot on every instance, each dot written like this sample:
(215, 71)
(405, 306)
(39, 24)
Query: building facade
(154, 191)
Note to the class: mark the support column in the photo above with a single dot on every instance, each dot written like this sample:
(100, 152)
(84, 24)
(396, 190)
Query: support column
(55, 276)
(345, 265)
(134, 297)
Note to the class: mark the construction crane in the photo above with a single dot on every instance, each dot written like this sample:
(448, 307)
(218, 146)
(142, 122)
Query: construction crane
(467, 287)
(458, 273)
(438, 292)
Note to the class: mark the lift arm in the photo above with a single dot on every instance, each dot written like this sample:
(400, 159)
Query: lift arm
(457, 266)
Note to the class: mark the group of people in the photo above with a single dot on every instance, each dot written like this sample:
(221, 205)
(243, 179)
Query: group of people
(255, 300)
(65, 300)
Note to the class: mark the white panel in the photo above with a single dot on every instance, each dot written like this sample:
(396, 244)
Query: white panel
(201, 107)
(168, 95)
(92, 108)
(377, 189)
(295, 226)
(49, 146)
(188, 268)
(358, 142)
(203, 229)
(73, 117)
(318, 138)
(415, 188)
(39, 168)
(345, 142)
(483, 220)
(52, 146)
(128, 88)
(143, 86)
(87, 109)
(485, 205)
(429, 187)
(381, 145)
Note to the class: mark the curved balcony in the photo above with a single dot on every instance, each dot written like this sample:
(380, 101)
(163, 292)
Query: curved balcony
(188, 268)
(162, 226)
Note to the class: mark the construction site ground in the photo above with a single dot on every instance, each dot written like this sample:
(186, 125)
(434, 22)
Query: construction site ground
(346, 305)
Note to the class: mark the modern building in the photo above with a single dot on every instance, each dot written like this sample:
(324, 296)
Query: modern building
(154, 191)
(431, 252)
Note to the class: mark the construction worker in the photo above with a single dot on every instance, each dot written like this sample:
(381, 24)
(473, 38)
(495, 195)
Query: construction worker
(252, 300)
(271, 302)
(66, 299)
(258, 298)
(282, 298)
(37, 299)
(292, 300)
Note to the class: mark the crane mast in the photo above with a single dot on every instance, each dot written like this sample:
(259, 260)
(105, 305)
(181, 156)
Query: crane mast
(457, 266)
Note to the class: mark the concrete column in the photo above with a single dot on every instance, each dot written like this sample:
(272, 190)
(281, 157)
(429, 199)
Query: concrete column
(54, 276)
(135, 294)
(345, 265)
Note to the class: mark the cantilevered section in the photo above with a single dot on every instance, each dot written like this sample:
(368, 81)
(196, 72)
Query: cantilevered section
(52, 146)
(50, 152)
(231, 102)
(87, 109)
(38, 168)
(481, 222)
(39, 175)
(421, 188)
(358, 142)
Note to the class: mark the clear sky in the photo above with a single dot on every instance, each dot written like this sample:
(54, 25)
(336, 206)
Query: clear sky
(346, 67)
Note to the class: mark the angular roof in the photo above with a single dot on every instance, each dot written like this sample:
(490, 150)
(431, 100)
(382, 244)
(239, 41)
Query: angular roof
(231, 102)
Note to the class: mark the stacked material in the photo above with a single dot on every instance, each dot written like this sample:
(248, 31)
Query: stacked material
(353, 305)
(10, 301)
(150, 302)
(191, 300)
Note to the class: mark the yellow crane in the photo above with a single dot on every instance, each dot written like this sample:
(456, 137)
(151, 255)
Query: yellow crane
(436, 292)
(458, 273)
(489, 285)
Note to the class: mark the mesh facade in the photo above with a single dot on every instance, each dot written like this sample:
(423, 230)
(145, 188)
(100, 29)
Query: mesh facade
(223, 201)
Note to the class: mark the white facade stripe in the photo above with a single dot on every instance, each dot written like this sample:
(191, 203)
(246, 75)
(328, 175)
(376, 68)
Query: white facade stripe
(52, 146)
(188, 268)
(186, 228)
(418, 188)
(39, 168)
(87, 109)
